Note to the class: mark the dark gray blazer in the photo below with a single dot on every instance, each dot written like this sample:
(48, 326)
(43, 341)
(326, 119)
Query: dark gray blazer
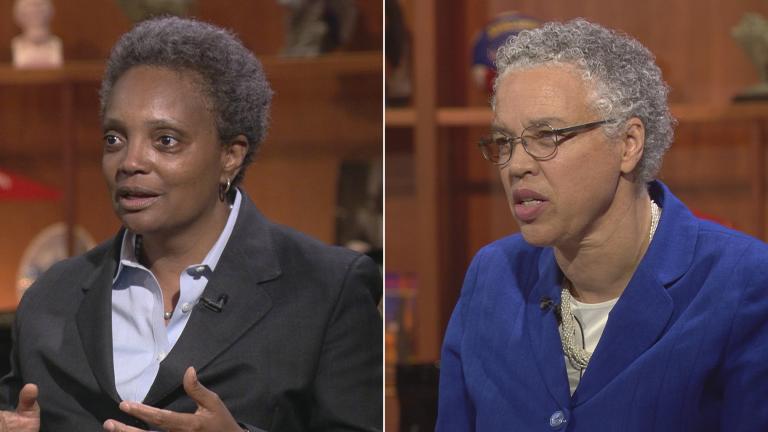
(297, 347)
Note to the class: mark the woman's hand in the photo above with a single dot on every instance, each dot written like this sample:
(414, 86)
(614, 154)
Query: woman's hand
(211, 415)
(26, 418)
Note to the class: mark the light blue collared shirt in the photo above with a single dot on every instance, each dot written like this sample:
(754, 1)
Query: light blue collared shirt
(140, 338)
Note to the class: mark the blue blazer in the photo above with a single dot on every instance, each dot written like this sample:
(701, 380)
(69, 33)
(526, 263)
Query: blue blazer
(685, 348)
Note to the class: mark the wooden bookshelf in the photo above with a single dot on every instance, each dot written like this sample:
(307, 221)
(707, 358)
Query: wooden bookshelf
(325, 110)
(717, 163)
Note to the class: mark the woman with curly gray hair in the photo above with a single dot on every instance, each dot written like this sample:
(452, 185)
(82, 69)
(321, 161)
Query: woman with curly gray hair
(200, 314)
(614, 309)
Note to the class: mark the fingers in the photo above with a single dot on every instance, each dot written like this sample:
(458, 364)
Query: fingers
(211, 414)
(156, 416)
(28, 400)
(205, 398)
(116, 426)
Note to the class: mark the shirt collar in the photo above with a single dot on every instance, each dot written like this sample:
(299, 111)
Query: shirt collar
(128, 252)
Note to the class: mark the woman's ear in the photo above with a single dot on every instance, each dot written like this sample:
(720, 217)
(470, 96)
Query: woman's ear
(232, 157)
(633, 141)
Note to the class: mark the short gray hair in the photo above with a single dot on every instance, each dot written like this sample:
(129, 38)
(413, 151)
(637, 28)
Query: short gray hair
(232, 77)
(626, 79)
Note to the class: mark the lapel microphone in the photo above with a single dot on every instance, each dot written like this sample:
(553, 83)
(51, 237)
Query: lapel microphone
(215, 305)
(546, 304)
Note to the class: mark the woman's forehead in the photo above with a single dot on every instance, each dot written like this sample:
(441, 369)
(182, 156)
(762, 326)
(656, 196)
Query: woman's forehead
(158, 93)
(545, 94)
(177, 83)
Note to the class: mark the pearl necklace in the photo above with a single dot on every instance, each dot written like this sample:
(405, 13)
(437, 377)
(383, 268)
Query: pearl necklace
(578, 356)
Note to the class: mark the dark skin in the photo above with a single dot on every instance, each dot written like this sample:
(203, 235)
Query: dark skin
(211, 414)
(164, 164)
(26, 418)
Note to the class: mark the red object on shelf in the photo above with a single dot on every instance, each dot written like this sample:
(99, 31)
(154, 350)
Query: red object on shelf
(14, 187)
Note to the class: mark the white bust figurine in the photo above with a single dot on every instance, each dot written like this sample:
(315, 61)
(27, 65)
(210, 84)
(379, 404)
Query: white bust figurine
(35, 47)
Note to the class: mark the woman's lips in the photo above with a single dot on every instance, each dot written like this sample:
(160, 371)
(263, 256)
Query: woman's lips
(135, 198)
(528, 211)
(135, 202)
(528, 204)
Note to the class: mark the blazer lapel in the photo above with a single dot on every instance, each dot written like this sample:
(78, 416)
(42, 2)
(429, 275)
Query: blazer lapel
(248, 260)
(94, 321)
(634, 325)
(542, 326)
(643, 311)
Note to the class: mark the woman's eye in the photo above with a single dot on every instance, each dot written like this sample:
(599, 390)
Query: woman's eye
(500, 139)
(111, 140)
(168, 141)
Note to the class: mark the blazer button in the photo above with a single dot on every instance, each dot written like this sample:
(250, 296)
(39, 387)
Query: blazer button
(557, 420)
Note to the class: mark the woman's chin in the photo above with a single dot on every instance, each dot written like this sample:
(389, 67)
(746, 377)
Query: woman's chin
(138, 224)
(535, 236)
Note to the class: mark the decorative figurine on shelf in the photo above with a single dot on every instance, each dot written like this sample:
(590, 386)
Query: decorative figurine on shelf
(36, 46)
(317, 26)
(139, 10)
(752, 34)
(490, 38)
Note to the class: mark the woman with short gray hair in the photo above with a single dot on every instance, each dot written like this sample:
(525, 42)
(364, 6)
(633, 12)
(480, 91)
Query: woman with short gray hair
(614, 308)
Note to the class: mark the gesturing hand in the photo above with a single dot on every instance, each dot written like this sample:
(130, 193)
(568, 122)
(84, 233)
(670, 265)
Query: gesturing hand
(211, 415)
(26, 418)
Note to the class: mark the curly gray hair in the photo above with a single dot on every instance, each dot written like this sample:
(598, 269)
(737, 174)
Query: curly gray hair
(232, 77)
(627, 82)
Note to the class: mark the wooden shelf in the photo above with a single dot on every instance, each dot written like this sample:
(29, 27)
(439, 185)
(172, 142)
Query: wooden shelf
(400, 117)
(452, 117)
(70, 72)
(447, 116)
(442, 211)
(335, 64)
(347, 85)
(326, 109)
(343, 63)
(712, 112)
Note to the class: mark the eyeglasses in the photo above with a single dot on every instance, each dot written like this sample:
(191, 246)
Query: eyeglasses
(540, 141)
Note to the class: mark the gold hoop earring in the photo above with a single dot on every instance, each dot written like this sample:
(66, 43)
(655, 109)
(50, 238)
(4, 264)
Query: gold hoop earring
(224, 190)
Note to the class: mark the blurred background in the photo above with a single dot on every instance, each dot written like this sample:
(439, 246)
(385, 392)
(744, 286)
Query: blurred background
(319, 169)
(443, 201)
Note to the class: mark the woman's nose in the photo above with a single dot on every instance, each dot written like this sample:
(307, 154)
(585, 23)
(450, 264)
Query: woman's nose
(136, 158)
(520, 163)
